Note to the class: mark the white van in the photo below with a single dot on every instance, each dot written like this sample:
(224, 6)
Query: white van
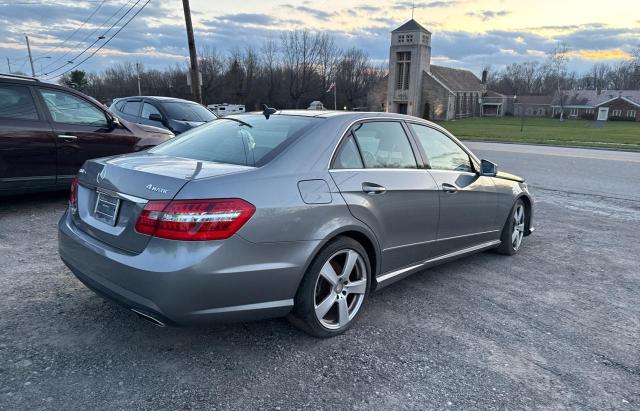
(225, 109)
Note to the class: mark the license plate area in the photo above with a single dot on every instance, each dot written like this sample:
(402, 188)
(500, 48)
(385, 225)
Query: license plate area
(106, 209)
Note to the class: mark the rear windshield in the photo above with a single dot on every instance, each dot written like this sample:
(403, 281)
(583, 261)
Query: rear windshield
(250, 140)
(183, 111)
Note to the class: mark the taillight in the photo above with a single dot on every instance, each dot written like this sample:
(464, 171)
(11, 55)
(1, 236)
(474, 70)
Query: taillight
(214, 219)
(73, 194)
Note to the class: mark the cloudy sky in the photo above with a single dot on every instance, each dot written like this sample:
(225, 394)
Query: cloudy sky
(466, 33)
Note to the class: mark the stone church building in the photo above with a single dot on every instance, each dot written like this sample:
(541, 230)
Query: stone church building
(419, 88)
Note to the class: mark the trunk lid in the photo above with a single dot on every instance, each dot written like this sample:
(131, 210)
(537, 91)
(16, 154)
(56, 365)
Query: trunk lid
(125, 184)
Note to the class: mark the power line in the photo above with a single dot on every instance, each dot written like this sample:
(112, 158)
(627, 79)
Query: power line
(107, 42)
(70, 48)
(101, 37)
(77, 28)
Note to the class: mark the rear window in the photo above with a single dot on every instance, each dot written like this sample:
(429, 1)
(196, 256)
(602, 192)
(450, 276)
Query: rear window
(184, 111)
(132, 108)
(250, 140)
(16, 102)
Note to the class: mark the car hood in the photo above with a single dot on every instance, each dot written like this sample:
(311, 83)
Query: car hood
(155, 130)
(509, 176)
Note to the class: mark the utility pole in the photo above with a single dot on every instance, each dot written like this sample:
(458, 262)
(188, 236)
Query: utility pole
(9, 64)
(138, 72)
(196, 89)
(33, 71)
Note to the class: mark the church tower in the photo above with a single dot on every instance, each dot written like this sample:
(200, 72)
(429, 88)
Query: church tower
(409, 57)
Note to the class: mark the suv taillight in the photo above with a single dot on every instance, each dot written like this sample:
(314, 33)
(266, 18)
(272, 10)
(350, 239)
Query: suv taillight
(73, 194)
(214, 219)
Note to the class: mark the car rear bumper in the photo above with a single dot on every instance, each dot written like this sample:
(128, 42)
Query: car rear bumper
(187, 283)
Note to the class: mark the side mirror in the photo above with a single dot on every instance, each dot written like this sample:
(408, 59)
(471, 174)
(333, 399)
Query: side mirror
(114, 122)
(155, 117)
(487, 168)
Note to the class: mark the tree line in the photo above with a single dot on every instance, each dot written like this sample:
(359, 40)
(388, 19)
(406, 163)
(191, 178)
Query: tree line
(300, 66)
(551, 75)
(290, 72)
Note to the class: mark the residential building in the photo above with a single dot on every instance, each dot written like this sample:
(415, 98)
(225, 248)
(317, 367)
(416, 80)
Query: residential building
(599, 105)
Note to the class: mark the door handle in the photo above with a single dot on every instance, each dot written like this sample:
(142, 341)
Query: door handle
(449, 188)
(67, 137)
(372, 188)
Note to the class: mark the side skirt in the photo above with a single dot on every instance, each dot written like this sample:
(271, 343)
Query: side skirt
(393, 276)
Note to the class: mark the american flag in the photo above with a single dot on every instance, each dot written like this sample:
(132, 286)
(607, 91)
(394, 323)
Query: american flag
(332, 86)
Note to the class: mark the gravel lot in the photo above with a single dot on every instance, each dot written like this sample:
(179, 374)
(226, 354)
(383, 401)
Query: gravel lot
(557, 326)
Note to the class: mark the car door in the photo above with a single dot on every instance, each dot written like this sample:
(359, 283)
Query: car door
(379, 177)
(151, 115)
(83, 131)
(468, 202)
(27, 142)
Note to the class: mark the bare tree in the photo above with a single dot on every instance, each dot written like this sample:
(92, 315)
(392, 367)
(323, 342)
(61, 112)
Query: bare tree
(558, 63)
(300, 51)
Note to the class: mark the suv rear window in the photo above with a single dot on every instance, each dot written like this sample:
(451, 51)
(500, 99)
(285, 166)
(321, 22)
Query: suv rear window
(16, 102)
(244, 139)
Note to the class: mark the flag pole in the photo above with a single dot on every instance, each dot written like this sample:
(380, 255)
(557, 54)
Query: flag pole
(335, 98)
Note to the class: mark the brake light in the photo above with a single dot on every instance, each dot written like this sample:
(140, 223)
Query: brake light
(215, 219)
(73, 194)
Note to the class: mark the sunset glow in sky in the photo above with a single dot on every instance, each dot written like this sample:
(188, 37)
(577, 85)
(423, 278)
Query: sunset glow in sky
(466, 33)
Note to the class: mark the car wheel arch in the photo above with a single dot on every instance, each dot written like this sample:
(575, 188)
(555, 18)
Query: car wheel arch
(363, 237)
(527, 208)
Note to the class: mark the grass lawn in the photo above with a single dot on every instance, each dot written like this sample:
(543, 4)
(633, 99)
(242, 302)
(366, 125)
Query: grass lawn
(610, 134)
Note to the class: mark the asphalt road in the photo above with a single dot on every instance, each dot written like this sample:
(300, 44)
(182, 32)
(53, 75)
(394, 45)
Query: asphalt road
(557, 326)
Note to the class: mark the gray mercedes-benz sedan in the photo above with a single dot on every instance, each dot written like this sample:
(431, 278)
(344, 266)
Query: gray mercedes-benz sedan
(284, 213)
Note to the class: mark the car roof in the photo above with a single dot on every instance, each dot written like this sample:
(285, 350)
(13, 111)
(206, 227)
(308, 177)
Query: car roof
(158, 98)
(339, 113)
(18, 79)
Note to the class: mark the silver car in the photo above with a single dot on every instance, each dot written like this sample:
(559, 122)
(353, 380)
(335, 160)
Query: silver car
(284, 213)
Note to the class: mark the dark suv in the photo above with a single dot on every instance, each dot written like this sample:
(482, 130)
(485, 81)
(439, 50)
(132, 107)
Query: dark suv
(47, 132)
(173, 114)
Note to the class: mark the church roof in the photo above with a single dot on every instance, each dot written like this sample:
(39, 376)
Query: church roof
(411, 25)
(457, 79)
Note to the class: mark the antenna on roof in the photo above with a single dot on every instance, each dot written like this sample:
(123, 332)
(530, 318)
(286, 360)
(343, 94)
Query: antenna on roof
(268, 111)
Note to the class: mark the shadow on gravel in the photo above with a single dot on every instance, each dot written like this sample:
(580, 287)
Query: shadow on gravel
(34, 199)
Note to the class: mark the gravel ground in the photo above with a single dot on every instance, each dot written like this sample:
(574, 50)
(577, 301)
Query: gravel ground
(557, 326)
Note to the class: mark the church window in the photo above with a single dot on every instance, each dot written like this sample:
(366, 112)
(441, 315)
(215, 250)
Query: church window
(403, 70)
(400, 38)
(409, 38)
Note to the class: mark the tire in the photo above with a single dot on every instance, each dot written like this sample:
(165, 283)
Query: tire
(328, 288)
(512, 242)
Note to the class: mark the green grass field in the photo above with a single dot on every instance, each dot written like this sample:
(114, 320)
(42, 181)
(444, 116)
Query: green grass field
(613, 134)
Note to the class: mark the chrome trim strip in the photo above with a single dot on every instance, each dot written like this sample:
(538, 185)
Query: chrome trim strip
(122, 196)
(385, 277)
(131, 198)
(247, 307)
(337, 170)
(392, 274)
(440, 239)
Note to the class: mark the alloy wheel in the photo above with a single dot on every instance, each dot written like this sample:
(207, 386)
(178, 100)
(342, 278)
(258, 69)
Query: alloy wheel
(518, 227)
(340, 289)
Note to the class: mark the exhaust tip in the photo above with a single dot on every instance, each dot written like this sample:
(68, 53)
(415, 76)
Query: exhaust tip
(148, 318)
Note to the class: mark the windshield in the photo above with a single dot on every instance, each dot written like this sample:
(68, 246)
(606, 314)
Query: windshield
(185, 111)
(250, 140)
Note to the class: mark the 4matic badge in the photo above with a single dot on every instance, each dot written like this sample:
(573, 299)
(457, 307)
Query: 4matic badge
(157, 189)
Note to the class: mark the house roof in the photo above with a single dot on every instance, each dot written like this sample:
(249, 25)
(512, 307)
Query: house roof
(411, 25)
(456, 79)
(491, 93)
(535, 100)
(592, 98)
